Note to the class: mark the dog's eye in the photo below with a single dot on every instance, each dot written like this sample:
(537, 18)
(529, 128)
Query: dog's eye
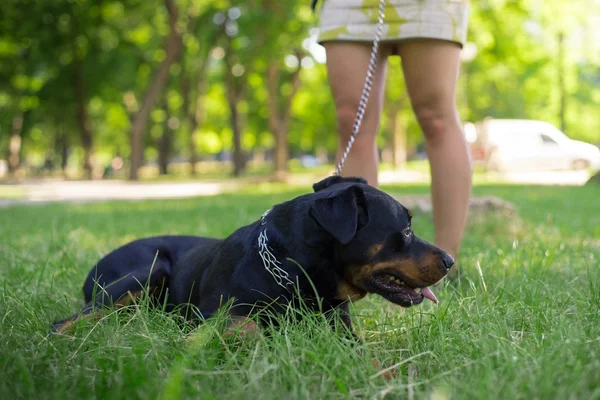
(407, 232)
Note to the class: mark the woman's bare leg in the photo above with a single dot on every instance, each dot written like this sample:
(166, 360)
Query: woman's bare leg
(431, 72)
(347, 65)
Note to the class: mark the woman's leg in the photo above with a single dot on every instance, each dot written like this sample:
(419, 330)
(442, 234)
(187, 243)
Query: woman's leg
(346, 69)
(431, 72)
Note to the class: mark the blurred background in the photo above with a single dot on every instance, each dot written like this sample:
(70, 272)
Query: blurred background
(135, 90)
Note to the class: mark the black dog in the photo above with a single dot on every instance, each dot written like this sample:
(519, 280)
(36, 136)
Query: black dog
(343, 241)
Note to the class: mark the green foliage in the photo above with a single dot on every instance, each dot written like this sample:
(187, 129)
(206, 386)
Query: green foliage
(518, 71)
(515, 73)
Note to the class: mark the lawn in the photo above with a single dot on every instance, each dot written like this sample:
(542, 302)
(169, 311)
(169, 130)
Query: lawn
(523, 322)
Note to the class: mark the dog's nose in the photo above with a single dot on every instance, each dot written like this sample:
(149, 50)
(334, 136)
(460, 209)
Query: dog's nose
(447, 260)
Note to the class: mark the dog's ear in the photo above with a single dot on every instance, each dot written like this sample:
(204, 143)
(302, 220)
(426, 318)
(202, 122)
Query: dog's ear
(332, 180)
(342, 213)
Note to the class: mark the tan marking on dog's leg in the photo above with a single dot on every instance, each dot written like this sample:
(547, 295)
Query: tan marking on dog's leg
(128, 298)
(387, 375)
(65, 326)
(243, 327)
(68, 324)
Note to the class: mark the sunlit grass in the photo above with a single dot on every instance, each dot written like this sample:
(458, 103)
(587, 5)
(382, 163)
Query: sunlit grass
(526, 324)
(12, 192)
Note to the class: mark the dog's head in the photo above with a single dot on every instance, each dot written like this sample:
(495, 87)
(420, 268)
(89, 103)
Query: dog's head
(374, 243)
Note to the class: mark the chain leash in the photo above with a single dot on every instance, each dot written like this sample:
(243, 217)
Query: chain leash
(364, 98)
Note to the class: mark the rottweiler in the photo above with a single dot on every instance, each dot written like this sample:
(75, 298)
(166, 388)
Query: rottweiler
(337, 244)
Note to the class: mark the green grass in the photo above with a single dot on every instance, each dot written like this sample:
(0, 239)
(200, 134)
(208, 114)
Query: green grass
(12, 192)
(528, 327)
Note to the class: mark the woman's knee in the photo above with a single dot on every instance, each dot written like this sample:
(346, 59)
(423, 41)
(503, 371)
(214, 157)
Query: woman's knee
(436, 118)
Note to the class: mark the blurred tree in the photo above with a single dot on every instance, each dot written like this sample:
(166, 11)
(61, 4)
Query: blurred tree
(237, 63)
(173, 47)
(200, 79)
(165, 142)
(284, 32)
(397, 105)
(200, 39)
(242, 40)
(527, 62)
(81, 17)
(280, 114)
(21, 51)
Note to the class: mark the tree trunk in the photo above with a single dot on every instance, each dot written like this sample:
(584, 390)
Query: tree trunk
(173, 47)
(279, 118)
(411, 151)
(561, 82)
(62, 148)
(82, 115)
(239, 160)
(280, 153)
(258, 158)
(234, 95)
(398, 142)
(235, 88)
(164, 145)
(80, 96)
(164, 150)
(195, 117)
(397, 131)
(193, 153)
(14, 143)
(188, 116)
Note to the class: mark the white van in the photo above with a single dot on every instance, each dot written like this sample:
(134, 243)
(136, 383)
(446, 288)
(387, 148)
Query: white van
(529, 145)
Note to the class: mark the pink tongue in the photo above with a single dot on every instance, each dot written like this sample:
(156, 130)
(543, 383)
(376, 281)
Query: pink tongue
(428, 294)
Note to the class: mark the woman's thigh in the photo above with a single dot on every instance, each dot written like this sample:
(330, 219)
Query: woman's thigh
(347, 64)
(431, 70)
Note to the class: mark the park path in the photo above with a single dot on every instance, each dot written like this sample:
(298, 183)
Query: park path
(40, 192)
(45, 191)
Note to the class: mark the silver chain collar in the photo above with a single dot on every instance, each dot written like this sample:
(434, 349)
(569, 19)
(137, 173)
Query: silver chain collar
(270, 261)
(364, 98)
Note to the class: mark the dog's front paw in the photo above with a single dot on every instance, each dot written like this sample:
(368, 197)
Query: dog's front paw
(386, 374)
(242, 327)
